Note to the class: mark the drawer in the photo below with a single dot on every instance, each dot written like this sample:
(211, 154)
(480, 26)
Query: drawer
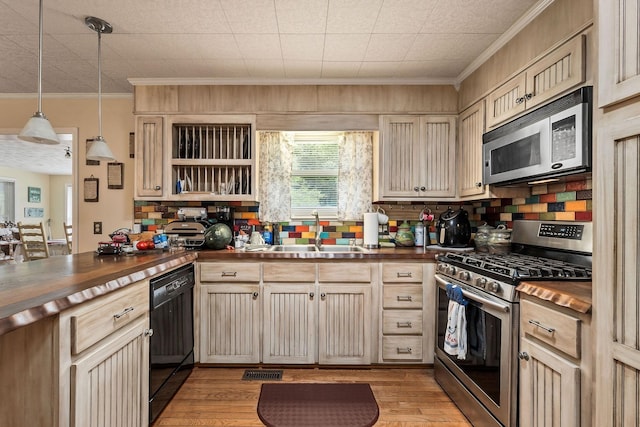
(230, 272)
(402, 296)
(402, 348)
(100, 318)
(289, 272)
(401, 272)
(402, 322)
(555, 328)
(344, 273)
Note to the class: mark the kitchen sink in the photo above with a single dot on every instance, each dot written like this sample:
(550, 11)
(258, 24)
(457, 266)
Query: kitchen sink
(323, 248)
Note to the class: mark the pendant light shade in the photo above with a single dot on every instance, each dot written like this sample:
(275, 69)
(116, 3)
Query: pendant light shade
(38, 129)
(98, 148)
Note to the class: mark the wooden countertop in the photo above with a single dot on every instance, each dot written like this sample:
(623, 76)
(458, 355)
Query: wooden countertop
(33, 290)
(574, 295)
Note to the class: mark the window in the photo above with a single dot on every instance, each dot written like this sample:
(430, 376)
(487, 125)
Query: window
(7, 200)
(314, 174)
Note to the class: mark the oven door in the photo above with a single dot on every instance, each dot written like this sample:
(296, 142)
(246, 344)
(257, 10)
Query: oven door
(489, 369)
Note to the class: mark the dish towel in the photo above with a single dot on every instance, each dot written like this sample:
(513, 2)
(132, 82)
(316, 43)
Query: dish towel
(455, 338)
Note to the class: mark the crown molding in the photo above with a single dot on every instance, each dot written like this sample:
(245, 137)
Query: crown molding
(81, 95)
(142, 81)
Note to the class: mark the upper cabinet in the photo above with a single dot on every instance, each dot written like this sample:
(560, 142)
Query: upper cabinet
(195, 157)
(555, 73)
(471, 128)
(416, 157)
(619, 50)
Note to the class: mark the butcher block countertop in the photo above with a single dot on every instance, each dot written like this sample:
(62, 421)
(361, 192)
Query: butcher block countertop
(33, 290)
(574, 295)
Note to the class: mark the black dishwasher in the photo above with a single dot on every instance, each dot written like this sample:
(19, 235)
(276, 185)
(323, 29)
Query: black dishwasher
(171, 345)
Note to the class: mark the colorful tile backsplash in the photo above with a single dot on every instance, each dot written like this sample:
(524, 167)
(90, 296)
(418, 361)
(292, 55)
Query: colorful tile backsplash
(569, 201)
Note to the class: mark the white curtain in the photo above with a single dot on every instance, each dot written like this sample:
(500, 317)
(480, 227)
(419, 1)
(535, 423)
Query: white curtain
(355, 176)
(274, 160)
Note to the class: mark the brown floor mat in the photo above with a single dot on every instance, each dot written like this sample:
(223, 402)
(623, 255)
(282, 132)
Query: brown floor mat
(321, 405)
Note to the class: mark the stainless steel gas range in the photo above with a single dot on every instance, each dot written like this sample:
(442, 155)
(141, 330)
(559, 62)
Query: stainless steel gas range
(484, 384)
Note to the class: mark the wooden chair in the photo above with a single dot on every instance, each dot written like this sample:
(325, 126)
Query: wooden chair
(68, 233)
(34, 241)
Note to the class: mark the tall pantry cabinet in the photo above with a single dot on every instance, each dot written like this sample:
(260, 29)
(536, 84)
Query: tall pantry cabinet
(616, 199)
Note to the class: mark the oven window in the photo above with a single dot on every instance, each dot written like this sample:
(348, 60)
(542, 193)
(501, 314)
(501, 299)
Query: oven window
(482, 364)
(516, 155)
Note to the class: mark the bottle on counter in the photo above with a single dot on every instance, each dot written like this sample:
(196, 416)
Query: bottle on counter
(267, 235)
(419, 234)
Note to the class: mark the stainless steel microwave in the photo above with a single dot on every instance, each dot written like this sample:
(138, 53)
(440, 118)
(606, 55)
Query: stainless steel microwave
(549, 142)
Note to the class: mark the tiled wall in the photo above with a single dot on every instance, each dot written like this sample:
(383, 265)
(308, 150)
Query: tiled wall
(569, 201)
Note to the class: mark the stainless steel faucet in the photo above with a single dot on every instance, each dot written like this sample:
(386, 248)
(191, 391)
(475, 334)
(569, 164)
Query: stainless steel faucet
(318, 238)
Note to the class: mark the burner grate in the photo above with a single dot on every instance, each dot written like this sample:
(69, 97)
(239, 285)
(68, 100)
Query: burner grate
(262, 375)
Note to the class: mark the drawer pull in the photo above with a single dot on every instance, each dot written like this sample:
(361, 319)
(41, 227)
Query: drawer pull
(539, 325)
(404, 325)
(401, 274)
(406, 350)
(405, 298)
(123, 312)
(229, 273)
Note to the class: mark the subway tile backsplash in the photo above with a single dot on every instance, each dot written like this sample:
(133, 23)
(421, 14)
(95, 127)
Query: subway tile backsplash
(569, 201)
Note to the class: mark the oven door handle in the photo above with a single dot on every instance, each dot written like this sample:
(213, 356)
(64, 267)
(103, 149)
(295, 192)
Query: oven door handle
(477, 298)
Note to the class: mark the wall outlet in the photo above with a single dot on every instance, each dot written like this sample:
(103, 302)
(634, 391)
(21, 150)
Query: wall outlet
(97, 227)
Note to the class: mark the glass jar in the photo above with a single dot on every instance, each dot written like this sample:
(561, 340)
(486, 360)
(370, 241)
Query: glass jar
(500, 240)
(404, 236)
(481, 240)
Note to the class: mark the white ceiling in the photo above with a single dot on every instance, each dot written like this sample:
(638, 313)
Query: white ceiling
(243, 42)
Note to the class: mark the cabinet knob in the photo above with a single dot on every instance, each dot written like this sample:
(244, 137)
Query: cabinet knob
(478, 184)
(148, 332)
(423, 188)
(523, 355)
(311, 295)
(520, 100)
(528, 96)
(157, 187)
(416, 189)
(323, 295)
(255, 295)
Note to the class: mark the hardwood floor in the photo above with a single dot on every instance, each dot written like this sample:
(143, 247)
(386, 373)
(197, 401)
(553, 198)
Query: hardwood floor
(219, 397)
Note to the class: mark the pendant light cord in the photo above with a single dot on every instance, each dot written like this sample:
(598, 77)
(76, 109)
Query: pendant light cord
(40, 59)
(99, 84)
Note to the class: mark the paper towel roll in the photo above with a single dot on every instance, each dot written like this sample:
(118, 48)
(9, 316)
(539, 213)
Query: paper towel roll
(371, 230)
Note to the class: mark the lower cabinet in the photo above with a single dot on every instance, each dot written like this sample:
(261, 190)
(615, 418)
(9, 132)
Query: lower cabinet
(555, 365)
(104, 360)
(230, 318)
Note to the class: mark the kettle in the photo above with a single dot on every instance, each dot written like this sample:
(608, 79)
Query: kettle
(453, 228)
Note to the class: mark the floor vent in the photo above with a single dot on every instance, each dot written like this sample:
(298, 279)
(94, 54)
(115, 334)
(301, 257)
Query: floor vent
(262, 374)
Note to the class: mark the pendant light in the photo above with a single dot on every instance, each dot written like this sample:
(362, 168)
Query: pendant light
(98, 149)
(38, 129)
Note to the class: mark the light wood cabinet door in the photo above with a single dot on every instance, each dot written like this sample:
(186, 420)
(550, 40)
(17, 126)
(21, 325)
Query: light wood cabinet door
(552, 75)
(110, 384)
(289, 331)
(469, 157)
(549, 388)
(344, 324)
(149, 168)
(230, 324)
(619, 50)
(417, 157)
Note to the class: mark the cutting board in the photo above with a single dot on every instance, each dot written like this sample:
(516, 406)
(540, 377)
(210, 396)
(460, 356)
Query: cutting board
(441, 248)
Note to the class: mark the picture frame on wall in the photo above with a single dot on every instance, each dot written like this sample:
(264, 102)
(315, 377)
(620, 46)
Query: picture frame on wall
(34, 195)
(91, 189)
(115, 175)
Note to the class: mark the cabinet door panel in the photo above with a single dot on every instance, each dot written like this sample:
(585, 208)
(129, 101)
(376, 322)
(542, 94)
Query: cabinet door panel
(438, 148)
(344, 324)
(506, 101)
(401, 153)
(149, 148)
(470, 151)
(289, 324)
(549, 388)
(230, 324)
(110, 384)
(619, 50)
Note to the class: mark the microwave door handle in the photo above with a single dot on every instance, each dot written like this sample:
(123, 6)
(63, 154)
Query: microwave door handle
(477, 298)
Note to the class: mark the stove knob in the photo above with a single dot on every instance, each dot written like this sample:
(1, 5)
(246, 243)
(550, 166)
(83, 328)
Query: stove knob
(452, 270)
(481, 282)
(494, 287)
(441, 268)
(464, 275)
